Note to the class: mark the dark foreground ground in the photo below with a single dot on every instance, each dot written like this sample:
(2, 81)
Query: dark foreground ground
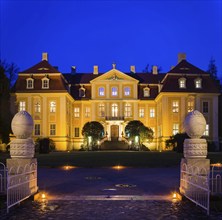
(91, 194)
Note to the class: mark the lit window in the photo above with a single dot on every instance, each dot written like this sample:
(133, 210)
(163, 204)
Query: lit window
(45, 83)
(82, 92)
(52, 129)
(175, 106)
(37, 107)
(37, 129)
(175, 129)
(198, 83)
(76, 132)
(101, 91)
(205, 107)
(87, 112)
(141, 112)
(101, 110)
(190, 105)
(182, 83)
(126, 91)
(206, 132)
(22, 106)
(30, 83)
(152, 112)
(114, 91)
(128, 111)
(114, 110)
(76, 112)
(146, 92)
(52, 106)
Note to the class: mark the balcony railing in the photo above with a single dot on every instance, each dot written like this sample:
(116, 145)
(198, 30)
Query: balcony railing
(112, 118)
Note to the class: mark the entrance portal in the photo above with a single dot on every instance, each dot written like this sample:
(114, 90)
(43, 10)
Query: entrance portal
(114, 132)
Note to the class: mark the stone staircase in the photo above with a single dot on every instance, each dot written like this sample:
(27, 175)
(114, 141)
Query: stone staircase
(114, 145)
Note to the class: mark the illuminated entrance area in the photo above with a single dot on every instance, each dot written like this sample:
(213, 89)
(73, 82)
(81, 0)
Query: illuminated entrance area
(114, 132)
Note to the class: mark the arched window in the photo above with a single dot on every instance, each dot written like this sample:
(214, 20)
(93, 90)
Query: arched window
(45, 83)
(52, 106)
(114, 91)
(82, 92)
(146, 92)
(127, 91)
(198, 83)
(29, 83)
(182, 83)
(101, 91)
(128, 110)
(114, 110)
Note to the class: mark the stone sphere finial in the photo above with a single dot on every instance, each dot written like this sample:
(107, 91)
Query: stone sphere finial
(22, 125)
(195, 124)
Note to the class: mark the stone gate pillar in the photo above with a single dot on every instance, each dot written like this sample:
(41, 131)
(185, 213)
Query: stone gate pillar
(22, 148)
(195, 148)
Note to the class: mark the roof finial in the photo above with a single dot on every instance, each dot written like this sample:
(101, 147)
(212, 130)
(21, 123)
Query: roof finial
(114, 65)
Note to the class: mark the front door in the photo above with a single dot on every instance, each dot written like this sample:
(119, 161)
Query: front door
(114, 132)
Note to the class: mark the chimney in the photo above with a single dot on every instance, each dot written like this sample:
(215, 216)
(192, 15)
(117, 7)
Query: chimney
(155, 70)
(132, 69)
(181, 56)
(45, 56)
(73, 69)
(95, 70)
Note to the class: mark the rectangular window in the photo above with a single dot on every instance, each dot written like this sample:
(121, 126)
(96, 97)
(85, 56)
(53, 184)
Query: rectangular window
(126, 91)
(45, 83)
(76, 112)
(101, 91)
(175, 106)
(175, 129)
(152, 112)
(205, 107)
(22, 106)
(190, 105)
(114, 91)
(52, 129)
(206, 132)
(101, 110)
(87, 112)
(30, 84)
(141, 112)
(37, 129)
(52, 106)
(76, 132)
(128, 111)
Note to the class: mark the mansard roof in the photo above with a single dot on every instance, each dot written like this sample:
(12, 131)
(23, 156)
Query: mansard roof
(85, 78)
(41, 67)
(185, 67)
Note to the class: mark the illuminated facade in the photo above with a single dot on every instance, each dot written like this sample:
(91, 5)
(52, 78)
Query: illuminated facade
(62, 103)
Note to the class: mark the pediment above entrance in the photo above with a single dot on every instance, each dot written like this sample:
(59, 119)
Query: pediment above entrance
(114, 75)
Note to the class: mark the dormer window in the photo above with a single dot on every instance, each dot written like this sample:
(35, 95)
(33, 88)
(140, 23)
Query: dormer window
(45, 83)
(82, 92)
(146, 92)
(29, 83)
(182, 83)
(198, 83)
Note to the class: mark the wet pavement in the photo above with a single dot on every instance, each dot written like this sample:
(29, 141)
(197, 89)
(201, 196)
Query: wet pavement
(90, 194)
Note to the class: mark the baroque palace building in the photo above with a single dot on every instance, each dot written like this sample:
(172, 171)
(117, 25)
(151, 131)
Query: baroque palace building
(61, 104)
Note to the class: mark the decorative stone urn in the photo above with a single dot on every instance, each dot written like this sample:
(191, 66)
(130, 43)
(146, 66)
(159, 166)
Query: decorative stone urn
(195, 125)
(23, 145)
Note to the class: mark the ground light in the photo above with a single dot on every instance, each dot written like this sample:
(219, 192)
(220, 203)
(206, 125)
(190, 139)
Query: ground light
(216, 165)
(118, 167)
(67, 167)
(176, 196)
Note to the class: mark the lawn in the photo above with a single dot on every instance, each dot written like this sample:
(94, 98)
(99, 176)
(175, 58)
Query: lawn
(112, 158)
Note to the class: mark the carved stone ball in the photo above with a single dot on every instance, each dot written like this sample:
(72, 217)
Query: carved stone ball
(195, 124)
(22, 125)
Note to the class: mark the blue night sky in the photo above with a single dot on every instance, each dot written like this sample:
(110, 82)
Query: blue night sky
(87, 33)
